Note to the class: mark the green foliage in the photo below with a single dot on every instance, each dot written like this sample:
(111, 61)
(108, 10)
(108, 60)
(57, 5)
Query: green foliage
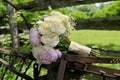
(16, 62)
(73, 11)
(24, 43)
(63, 45)
(6, 41)
(2, 7)
(113, 66)
(89, 9)
(99, 14)
(25, 46)
(3, 19)
(21, 1)
(89, 76)
(103, 5)
(79, 14)
(113, 9)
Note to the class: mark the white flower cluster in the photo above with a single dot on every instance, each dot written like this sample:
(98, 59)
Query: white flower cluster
(53, 25)
(46, 35)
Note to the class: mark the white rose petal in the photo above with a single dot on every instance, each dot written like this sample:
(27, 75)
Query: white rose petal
(44, 29)
(57, 27)
(56, 24)
(36, 52)
(51, 40)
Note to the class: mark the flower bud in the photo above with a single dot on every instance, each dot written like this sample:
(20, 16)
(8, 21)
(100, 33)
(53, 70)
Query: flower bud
(34, 37)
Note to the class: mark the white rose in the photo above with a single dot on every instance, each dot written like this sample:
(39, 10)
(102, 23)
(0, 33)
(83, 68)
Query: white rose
(50, 40)
(36, 52)
(44, 29)
(57, 27)
(56, 24)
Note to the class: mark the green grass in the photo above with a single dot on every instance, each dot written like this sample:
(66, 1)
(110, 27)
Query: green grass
(100, 38)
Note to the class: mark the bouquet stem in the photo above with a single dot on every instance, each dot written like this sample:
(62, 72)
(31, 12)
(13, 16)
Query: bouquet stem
(79, 49)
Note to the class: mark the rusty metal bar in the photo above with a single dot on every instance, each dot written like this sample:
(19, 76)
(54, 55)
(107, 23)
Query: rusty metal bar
(17, 54)
(61, 69)
(81, 59)
(36, 71)
(85, 64)
(97, 70)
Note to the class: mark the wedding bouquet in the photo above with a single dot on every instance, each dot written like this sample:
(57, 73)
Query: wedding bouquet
(50, 36)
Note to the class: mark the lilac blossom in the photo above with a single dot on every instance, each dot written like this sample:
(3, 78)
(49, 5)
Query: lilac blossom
(58, 53)
(49, 56)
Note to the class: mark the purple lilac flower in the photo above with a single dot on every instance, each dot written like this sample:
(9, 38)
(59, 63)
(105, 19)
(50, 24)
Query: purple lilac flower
(34, 37)
(49, 56)
(58, 53)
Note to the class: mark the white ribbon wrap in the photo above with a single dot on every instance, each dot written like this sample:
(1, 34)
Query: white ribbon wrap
(79, 49)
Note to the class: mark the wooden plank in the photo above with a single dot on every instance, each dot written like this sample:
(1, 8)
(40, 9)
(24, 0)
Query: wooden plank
(13, 26)
(108, 23)
(43, 4)
(103, 71)
(17, 54)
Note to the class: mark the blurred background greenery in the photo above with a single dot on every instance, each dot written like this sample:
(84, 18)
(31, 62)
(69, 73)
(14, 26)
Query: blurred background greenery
(107, 39)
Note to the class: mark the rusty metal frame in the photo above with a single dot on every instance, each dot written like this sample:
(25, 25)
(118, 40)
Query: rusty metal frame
(67, 62)
(85, 64)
